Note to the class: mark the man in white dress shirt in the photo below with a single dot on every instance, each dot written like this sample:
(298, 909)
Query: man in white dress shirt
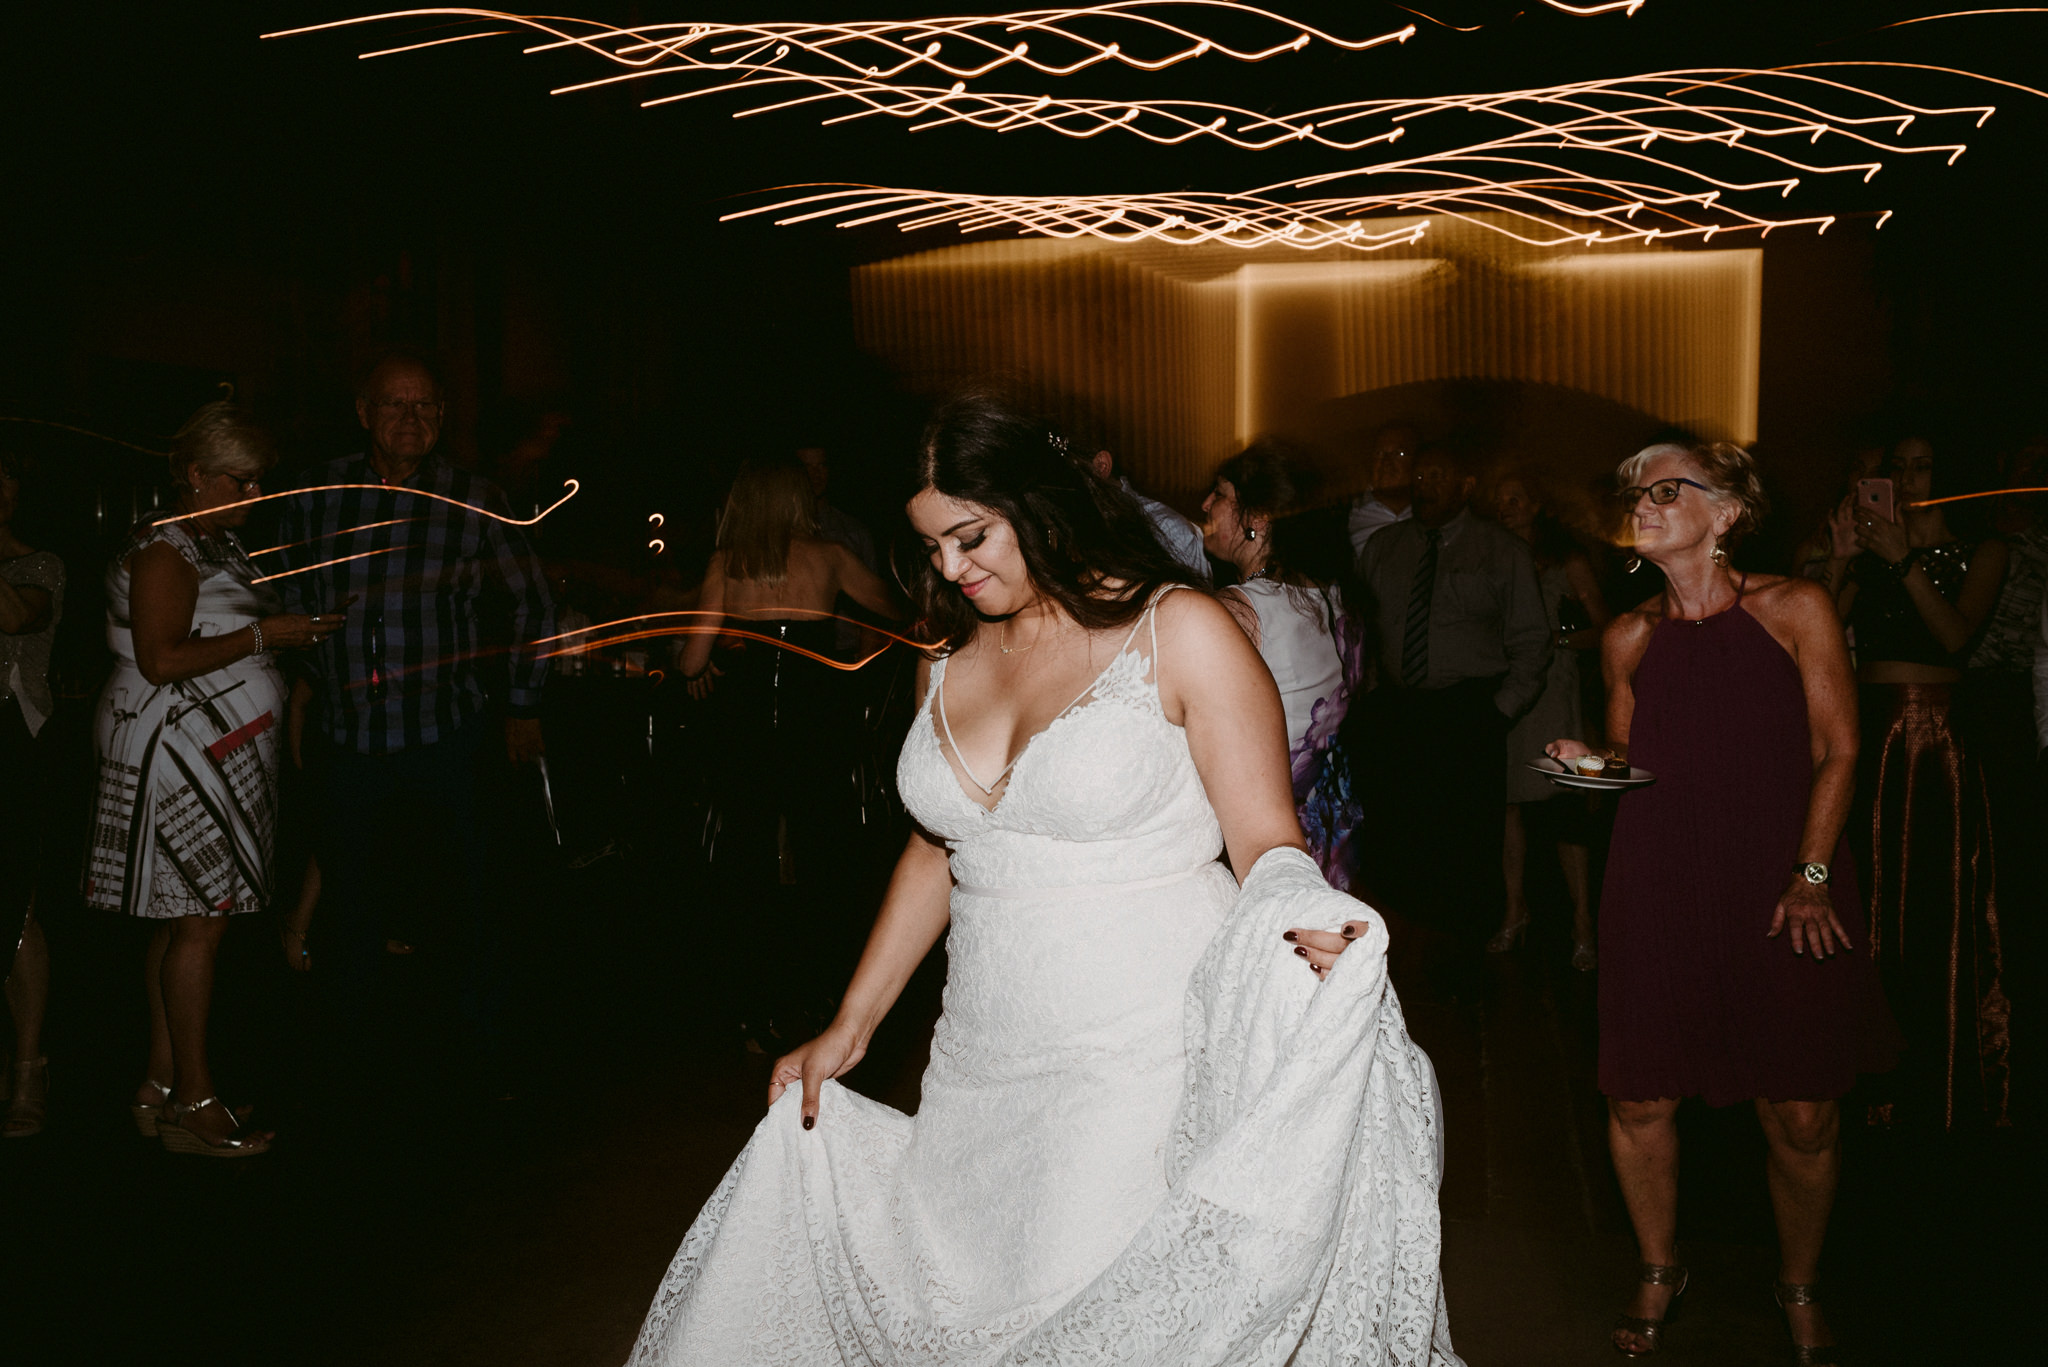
(1392, 460)
(1180, 537)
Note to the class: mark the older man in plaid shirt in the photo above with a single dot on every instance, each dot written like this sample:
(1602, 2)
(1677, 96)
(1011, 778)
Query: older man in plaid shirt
(437, 584)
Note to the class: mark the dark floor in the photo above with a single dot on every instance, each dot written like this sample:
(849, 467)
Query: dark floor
(419, 1218)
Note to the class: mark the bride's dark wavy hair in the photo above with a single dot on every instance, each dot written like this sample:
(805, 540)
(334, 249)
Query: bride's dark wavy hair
(1086, 544)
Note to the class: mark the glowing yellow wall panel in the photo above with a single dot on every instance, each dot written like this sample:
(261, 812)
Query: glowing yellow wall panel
(1179, 355)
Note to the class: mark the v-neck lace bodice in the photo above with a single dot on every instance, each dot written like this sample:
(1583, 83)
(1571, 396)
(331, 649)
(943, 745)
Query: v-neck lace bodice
(1107, 792)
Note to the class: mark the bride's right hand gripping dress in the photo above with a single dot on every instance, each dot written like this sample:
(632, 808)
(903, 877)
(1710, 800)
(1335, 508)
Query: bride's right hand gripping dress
(1192, 1155)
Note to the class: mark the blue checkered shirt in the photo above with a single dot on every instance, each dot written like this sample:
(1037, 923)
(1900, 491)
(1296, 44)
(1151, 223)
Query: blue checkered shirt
(424, 575)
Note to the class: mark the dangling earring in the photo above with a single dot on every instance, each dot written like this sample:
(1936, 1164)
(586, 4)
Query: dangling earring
(1251, 533)
(1632, 564)
(1719, 556)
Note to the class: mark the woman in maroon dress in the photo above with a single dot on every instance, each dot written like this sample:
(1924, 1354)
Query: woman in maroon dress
(1731, 934)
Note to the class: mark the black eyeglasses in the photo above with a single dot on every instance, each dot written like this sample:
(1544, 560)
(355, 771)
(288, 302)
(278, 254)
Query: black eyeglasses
(1661, 492)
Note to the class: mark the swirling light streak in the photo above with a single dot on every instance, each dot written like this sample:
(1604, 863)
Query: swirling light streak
(572, 486)
(646, 46)
(720, 627)
(1741, 112)
(1982, 493)
(656, 522)
(87, 432)
(338, 560)
(329, 536)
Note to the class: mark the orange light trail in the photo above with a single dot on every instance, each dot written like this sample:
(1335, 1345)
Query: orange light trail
(573, 486)
(86, 432)
(1986, 493)
(338, 560)
(720, 629)
(903, 43)
(873, 65)
(329, 536)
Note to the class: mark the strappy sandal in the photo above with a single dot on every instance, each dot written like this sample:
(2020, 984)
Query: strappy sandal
(25, 1114)
(1651, 1332)
(1507, 937)
(1805, 1354)
(145, 1114)
(170, 1128)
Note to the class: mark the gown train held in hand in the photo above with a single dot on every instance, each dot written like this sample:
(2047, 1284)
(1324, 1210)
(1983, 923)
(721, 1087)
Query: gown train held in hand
(1192, 1156)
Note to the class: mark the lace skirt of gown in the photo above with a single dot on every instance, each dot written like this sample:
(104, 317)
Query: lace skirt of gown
(1189, 1154)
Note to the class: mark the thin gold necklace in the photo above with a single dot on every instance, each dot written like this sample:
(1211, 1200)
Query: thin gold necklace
(1003, 640)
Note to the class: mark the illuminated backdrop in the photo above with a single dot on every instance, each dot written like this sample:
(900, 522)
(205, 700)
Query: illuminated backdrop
(1182, 354)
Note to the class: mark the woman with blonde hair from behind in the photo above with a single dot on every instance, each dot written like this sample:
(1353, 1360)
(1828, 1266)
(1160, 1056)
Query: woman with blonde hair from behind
(781, 835)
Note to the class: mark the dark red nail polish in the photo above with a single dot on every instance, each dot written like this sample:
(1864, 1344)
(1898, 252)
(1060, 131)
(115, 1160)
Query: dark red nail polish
(809, 1121)
(1302, 952)
(1289, 937)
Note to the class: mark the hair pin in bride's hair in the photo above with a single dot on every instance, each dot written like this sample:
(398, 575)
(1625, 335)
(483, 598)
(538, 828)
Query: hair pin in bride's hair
(1059, 443)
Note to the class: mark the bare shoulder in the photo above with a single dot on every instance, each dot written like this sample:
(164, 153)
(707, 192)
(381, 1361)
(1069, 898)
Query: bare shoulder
(1241, 611)
(1189, 618)
(1200, 644)
(1789, 599)
(1633, 624)
(162, 556)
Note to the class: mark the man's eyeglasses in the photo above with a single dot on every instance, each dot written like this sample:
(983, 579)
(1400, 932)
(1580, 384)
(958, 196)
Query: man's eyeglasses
(1661, 492)
(398, 408)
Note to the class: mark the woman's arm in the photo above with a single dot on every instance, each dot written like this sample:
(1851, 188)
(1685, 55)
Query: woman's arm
(703, 631)
(1215, 686)
(1955, 624)
(164, 589)
(1212, 683)
(1621, 650)
(915, 912)
(1585, 585)
(863, 585)
(1951, 624)
(1802, 614)
(24, 608)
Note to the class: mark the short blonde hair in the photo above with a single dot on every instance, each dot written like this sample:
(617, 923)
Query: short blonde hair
(1728, 471)
(222, 438)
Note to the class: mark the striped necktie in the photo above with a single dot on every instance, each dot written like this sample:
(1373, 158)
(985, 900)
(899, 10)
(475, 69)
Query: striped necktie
(1415, 641)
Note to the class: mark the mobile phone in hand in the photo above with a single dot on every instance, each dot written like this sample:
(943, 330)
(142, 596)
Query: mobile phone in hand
(1875, 496)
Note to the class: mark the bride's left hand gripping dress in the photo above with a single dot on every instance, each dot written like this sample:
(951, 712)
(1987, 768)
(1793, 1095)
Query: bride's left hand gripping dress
(1146, 1135)
(187, 805)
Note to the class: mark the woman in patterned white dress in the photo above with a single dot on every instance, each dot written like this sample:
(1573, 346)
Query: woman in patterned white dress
(187, 736)
(1166, 1120)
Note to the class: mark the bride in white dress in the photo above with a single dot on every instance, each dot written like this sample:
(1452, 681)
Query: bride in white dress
(1167, 1120)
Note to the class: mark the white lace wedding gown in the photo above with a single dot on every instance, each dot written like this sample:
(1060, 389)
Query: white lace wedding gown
(1147, 1134)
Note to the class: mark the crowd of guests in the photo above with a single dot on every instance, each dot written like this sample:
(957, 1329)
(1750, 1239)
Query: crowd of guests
(1846, 787)
(356, 663)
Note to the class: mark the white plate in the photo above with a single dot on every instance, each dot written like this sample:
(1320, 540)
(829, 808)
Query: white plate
(1548, 768)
